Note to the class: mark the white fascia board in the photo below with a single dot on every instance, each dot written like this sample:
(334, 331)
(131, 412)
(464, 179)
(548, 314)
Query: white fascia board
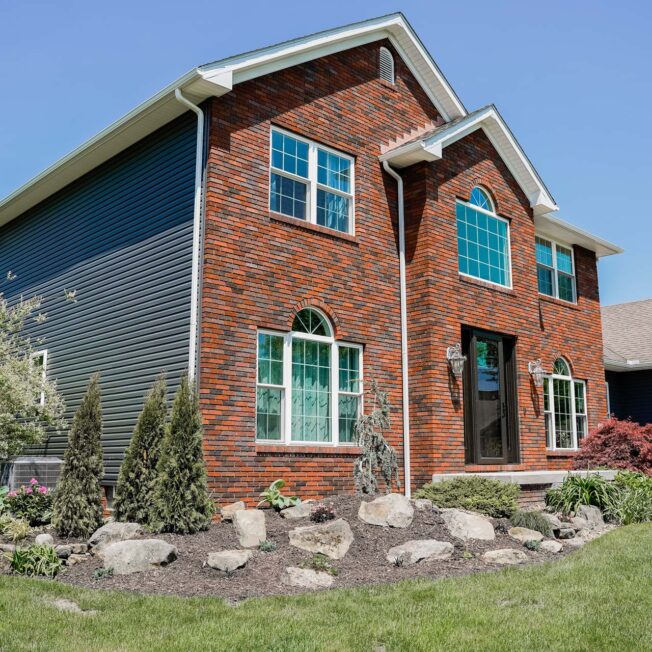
(620, 367)
(135, 125)
(496, 130)
(557, 229)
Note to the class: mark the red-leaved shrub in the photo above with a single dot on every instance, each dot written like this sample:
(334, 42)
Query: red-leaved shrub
(617, 445)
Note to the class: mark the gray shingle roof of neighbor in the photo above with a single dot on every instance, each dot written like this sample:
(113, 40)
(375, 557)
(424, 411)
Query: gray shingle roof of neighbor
(627, 334)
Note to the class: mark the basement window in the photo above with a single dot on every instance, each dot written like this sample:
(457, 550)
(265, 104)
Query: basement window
(311, 182)
(309, 388)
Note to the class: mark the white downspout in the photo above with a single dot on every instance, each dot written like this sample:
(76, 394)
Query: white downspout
(196, 235)
(404, 340)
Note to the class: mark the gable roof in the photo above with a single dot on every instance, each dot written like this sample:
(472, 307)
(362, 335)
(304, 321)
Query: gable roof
(627, 336)
(218, 78)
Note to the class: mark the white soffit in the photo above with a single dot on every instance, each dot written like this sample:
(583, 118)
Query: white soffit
(218, 78)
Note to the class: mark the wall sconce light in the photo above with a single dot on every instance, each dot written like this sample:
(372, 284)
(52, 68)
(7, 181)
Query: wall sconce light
(537, 372)
(456, 359)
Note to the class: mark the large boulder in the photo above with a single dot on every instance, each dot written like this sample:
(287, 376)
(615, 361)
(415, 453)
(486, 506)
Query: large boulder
(332, 539)
(524, 534)
(229, 510)
(228, 560)
(414, 551)
(554, 521)
(250, 527)
(551, 546)
(592, 515)
(578, 523)
(135, 556)
(504, 556)
(307, 578)
(467, 525)
(302, 510)
(392, 510)
(113, 532)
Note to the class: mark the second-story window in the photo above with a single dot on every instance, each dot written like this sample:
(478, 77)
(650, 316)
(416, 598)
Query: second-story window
(555, 270)
(311, 182)
(483, 240)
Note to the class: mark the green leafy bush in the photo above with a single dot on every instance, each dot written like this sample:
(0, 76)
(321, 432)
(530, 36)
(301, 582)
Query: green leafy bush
(490, 497)
(36, 560)
(632, 498)
(276, 499)
(3, 499)
(577, 490)
(532, 520)
(32, 503)
(15, 529)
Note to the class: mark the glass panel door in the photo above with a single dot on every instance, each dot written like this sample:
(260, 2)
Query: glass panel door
(489, 403)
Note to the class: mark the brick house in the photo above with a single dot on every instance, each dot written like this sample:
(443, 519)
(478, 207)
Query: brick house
(294, 222)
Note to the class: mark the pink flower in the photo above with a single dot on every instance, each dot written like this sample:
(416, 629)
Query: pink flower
(12, 494)
(29, 490)
(33, 481)
(42, 490)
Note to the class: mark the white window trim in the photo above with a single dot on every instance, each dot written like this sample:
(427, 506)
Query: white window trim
(312, 185)
(509, 285)
(286, 400)
(574, 413)
(555, 270)
(43, 353)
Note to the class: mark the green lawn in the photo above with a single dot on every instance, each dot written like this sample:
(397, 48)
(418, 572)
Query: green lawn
(599, 598)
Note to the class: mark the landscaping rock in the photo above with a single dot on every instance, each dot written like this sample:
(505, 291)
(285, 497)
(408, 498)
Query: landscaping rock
(229, 560)
(75, 559)
(250, 527)
(467, 525)
(7, 547)
(307, 578)
(504, 556)
(302, 510)
(63, 551)
(228, 511)
(592, 515)
(578, 523)
(44, 540)
(134, 556)
(551, 546)
(566, 532)
(524, 534)
(113, 532)
(392, 510)
(414, 551)
(555, 523)
(332, 539)
(79, 548)
(423, 504)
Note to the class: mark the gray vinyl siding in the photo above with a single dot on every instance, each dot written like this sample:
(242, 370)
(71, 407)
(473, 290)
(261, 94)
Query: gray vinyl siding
(121, 237)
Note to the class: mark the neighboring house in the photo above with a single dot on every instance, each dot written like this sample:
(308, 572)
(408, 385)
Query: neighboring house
(349, 220)
(627, 332)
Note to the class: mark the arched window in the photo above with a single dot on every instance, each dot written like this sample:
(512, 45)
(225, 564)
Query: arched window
(309, 386)
(564, 405)
(483, 240)
(386, 65)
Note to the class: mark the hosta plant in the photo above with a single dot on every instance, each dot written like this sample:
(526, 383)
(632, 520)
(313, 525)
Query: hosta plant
(275, 498)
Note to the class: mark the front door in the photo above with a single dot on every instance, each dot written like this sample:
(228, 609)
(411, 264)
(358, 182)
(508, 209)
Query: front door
(490, 398)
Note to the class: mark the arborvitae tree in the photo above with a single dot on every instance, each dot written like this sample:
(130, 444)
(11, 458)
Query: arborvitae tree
(77, 508)
(377, 455)
(182, 502)
(135, 490)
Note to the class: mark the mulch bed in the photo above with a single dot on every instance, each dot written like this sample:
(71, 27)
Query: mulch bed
(364, 564)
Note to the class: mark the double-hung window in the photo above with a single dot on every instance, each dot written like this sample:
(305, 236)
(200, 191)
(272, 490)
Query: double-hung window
(483, 240)
(309, 387)
(311, 182)
(564, 405)
(555, 269)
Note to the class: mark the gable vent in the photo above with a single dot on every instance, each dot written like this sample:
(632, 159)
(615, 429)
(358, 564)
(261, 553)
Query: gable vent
(386, 65)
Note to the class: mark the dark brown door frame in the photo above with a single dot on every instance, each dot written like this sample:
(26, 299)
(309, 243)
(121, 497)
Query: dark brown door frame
(507, 398)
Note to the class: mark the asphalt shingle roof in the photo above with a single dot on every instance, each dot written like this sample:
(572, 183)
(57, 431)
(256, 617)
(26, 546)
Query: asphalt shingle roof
(627, 331)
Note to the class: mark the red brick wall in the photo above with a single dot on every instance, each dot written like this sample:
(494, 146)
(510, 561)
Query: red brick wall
(258, 268)
(440, 301)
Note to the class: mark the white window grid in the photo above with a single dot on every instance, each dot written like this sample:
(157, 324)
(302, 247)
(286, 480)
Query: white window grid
(509, 244)
(549, 414)
(555, 271)
(286, 387)
(311, 183)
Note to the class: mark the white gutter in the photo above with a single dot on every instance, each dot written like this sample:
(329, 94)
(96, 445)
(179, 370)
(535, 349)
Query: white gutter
(404, 341)
(196, 235)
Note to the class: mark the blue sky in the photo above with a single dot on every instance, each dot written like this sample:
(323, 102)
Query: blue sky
(572, 79)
